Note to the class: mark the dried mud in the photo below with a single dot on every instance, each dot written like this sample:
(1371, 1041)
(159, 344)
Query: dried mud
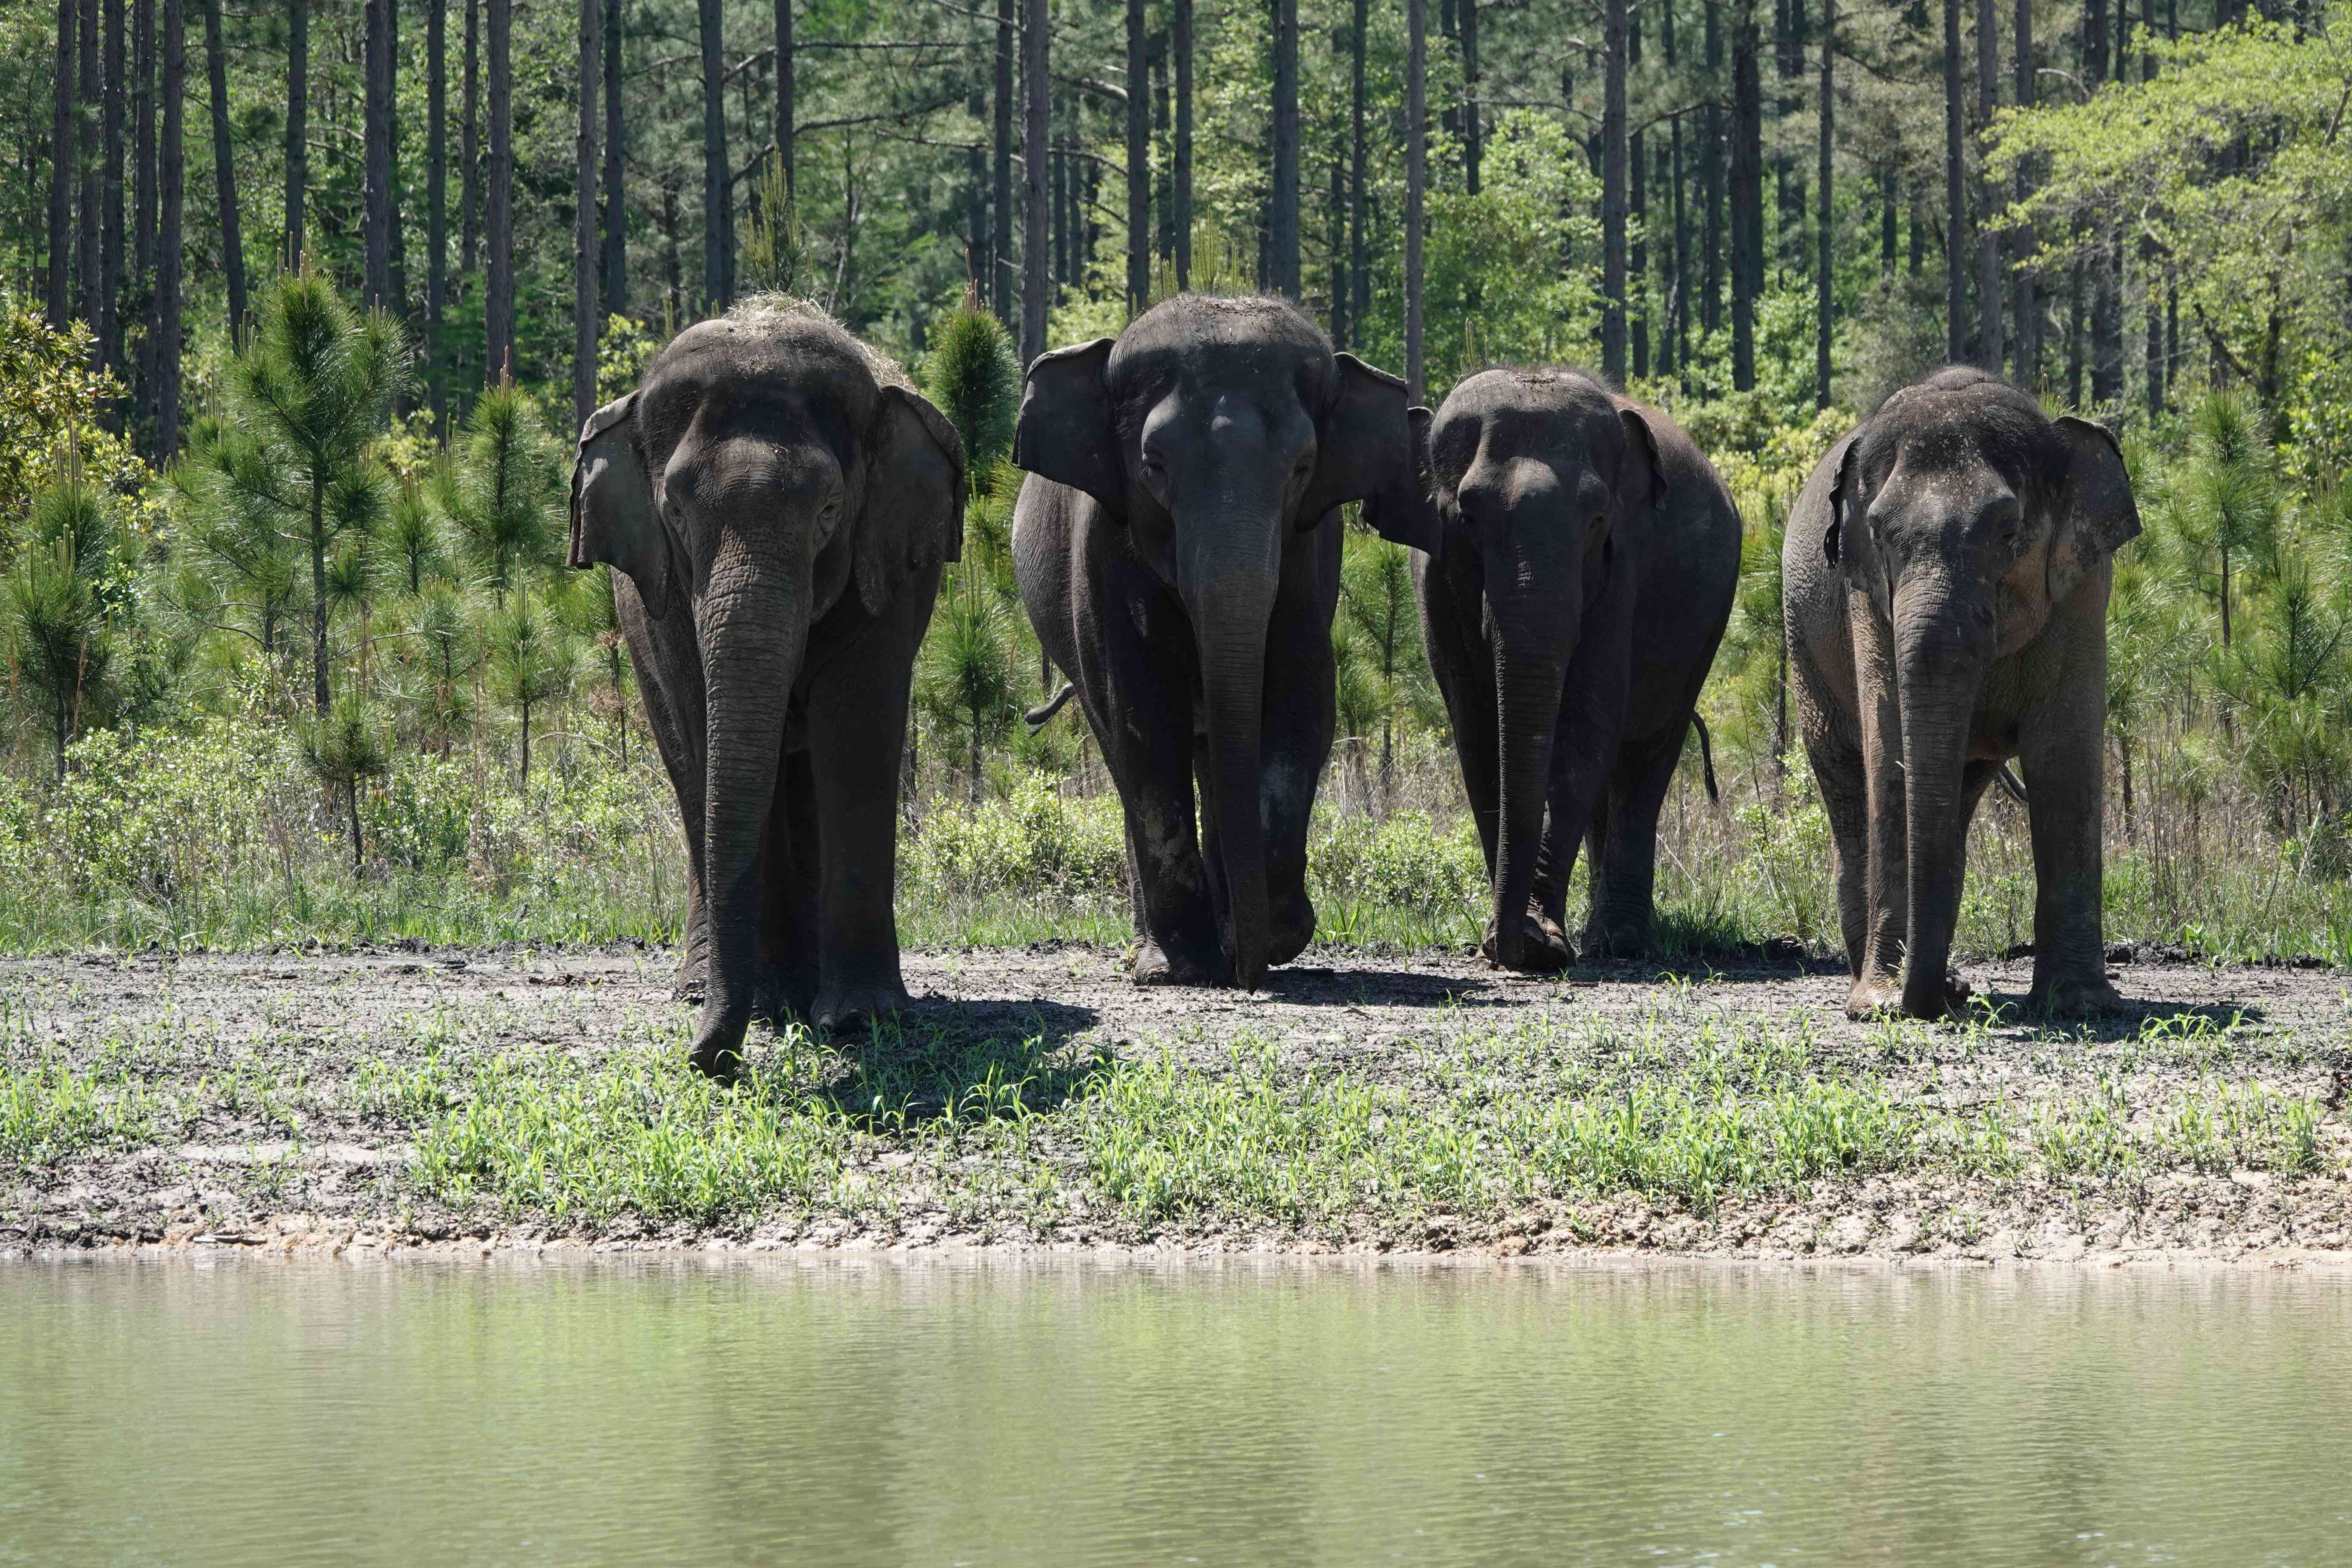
(285, 1163)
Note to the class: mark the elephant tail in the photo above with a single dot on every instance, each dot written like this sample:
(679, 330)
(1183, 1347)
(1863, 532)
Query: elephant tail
(1037, 717)
(2009, 783)
(1707, 758)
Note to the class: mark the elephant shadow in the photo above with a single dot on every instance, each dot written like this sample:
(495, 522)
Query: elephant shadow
(2136, 1019)
(945, 1060)
(1310, 986)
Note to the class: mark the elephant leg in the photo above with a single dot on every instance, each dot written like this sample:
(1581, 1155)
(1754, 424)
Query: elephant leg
(2062, 750)
(1302, 715)
(1137, 696)
(1837, 770)
(668, 666)
(789, 905)
(856, 739)
(1878, 981)
(1625, 859)
(1464, 665)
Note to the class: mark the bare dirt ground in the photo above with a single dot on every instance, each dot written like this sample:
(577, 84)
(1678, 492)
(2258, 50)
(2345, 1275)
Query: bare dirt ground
(269, 1056)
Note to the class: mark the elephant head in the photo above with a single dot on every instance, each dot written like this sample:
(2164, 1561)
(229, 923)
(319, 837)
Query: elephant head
(764, 478)
(1212, 430)
(1960, 516)
(1537, 474)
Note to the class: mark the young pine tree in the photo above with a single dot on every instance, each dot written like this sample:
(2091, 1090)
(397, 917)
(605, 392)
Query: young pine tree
(501, 487)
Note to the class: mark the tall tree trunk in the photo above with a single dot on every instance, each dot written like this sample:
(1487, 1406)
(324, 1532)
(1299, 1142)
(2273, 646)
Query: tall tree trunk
(1612, 191)
(498, 299)
(436, 206)
(1416, 174)
(91, 156)
(1000, 292)
(1824, 301)
(1181, 43)
(586, 326)
(1164, 185)
(1637, 255)
(1711, 175)
(1746, 197)
(139, 270)
(1036, 100)
(1473, 134)
(718, 200)
(1956, 201)
(173, 183)
(1990, 350)
(1335, 214)
(784, 86)
(1282, 207)
(111, 268)
(616, 195)
(1674, 353)
(395, 247)
(225, 171)
(2027, 300)
(470, 147)
(2106, 345)
(375, 220)
(63, 159)
(1139, 159)
(297, 127)
(1359, 253)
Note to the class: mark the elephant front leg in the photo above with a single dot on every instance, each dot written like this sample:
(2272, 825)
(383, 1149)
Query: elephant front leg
(857, 731)
(1144, 720)
(1294, 740)
(1878, 974)
(2063, 758)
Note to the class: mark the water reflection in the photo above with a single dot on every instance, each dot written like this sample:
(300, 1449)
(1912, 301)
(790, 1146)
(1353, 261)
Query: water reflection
(876, 1412)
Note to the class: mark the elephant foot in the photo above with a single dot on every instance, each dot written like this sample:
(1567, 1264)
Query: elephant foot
(1883, 997)
(2074, 998)
(853, 1008)
(717, 1053)
(1622, 941)
(1293, 928)
(1543, 946)
(1155, 966)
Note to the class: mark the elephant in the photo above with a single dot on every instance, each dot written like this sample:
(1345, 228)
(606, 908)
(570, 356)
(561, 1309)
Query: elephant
(1589, 558)
(776, 505)
(1945, 577)
(1177, 543)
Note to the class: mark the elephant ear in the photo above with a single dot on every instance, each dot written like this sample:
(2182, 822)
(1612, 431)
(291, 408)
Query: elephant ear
(1369, 448)
(1840, 463)
(614, 521)
(910, 516)
(1644, 483)
(1066, 432)
(2096, 514)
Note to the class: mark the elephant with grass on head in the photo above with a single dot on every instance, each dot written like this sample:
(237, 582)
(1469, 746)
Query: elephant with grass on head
(776, 504)
(1945, 579)
(1177, 543)
(1589, 560)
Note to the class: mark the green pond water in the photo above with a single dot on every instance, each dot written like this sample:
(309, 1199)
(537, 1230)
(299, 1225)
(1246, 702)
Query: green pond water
(936, 1414)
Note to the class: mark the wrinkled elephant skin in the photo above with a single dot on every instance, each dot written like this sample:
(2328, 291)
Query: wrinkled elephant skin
(1177, 543)
(775, 517)
(1589, 562)
(1945, 579)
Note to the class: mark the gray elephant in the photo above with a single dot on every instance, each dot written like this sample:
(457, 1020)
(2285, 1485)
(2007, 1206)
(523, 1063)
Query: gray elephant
(1589, 560)
(1177, 545)
(775, 514)
(1945, 579)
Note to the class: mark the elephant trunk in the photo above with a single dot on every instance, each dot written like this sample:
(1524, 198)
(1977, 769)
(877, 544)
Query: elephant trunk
(1938, 670)
(1233, 633)
(753, 631)
(1527, 701)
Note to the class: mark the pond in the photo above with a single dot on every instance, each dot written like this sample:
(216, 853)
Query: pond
(890, 1412)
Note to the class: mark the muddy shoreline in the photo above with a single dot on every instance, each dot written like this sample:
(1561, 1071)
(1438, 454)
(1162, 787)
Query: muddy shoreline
(2210, 1125)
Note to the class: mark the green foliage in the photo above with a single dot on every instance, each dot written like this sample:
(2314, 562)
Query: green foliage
(1035, 843)
(973, 374)
(502, 488)
(964, 680)
(1404, 863)
(51, 432)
